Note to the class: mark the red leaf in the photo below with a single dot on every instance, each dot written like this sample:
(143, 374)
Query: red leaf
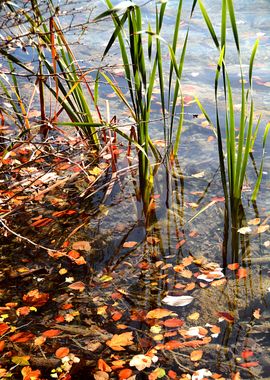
(21, 337)
(2, 345)
(246, 354)
(172, 374)
(34, 298)
(124, 374)
(227, 316)
(249, 364)
(41, 222)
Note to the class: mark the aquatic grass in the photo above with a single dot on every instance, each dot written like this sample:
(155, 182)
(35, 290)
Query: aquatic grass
(143, 65)
(240, 138)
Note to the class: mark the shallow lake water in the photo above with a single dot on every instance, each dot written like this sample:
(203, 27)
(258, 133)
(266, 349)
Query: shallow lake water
(187, 247)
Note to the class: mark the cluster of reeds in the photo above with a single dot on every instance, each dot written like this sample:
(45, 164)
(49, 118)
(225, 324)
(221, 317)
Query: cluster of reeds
(239, 137)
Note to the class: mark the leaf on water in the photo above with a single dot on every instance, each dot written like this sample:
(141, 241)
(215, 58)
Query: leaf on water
(140, 362)
(180, 244)
(267, 244)
(153, 240)
(196, 355)
(173, 345)
(236, 376)
(249, 364)
(62, 352)
(244, 230)
(201, 374)
(173, 322)
(194, 316)
(129, 244)
(226, 316)
(254, 222)
(82, 246)
(39, 341)
(263, 228)
(119, 341)
(158, 313)
(233, 266)
(242, 272)
(198, 175)
(79, 285)
(158, 373)
(172, 374)
(178, 300)
(257, 314)
(247, 354)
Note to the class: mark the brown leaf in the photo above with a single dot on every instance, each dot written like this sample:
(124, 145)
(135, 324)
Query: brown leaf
(41, 222)
(62, 352)
(79, 285)
(227, 316)
(82, 246)
(153, 240)
(35, 298)
(119, 341)
(196, 355)
(101, 375)
(158, 313)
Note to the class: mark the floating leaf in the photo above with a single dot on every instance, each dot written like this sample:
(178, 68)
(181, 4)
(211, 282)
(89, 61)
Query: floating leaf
(141, 362)
(201, 374)
(233, 266)
(236, 376)
(29, 374)
(242, 272)
(158, 373)
(82, 246)
(103, 366)
(249, 364)
(226, 316)
(247, 354)
(196, 355)
(173, 322)
(158, 313)
(254, 222)
(62, 352)
(129, 244)
(257, 314)
(244, 230)
(262, 228)
(194, 316)
(153, 240)
(119, 341)
(178, 301)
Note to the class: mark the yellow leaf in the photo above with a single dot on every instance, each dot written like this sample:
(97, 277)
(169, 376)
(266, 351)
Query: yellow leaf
(196, 355)
(158, 313)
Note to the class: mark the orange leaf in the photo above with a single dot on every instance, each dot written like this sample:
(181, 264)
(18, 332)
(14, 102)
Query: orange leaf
(196, 355)
(172, 345)
(129, 244)
(103, 366)
(74, 254)
(152, 240)
(41, 222)
(173, 322)
(24, 310)
(124, 374)
(51, 333)
(39, 341)
(2, 345)
(236, 376)
(119, 341)
(233, 266)
(180, 244)
(62, 352)
(116, 316)
(242, 272)
(257, 313)
(172, 374)
(249, 364)
(34, 298)
(80, 261)
(29, 374)
(77, 286)
(21, 337)
(3, 328)
(158, 313)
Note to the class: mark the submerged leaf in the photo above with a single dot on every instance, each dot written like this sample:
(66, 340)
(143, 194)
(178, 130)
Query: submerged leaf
(119, 341)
